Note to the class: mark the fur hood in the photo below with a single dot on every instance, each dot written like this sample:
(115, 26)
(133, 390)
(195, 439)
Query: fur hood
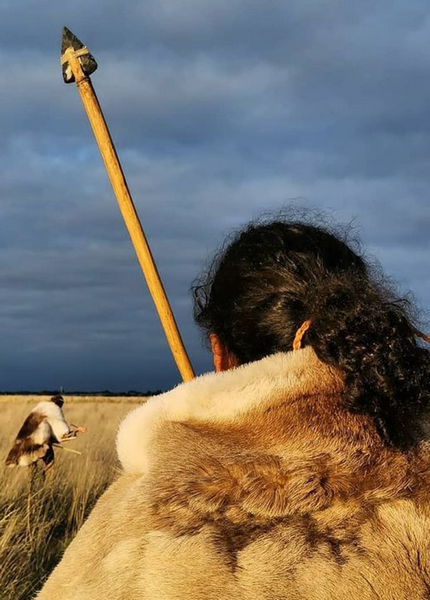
(273, 437)
(224, 399)
(255, 483)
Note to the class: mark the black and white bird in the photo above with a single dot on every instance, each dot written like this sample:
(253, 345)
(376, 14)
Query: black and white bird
(44, 426)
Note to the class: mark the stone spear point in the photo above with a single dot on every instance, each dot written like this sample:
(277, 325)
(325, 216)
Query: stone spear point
(87, 60)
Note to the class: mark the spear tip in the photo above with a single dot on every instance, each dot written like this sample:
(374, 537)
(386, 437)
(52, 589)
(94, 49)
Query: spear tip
(86, 59)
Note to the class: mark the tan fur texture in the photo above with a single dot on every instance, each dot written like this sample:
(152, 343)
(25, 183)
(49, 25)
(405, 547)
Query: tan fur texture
(256, 483)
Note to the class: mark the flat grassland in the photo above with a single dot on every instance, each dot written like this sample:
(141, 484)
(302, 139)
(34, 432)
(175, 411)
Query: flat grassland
(38, 522)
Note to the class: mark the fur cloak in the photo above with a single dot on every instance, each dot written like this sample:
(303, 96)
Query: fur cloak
(255, 484)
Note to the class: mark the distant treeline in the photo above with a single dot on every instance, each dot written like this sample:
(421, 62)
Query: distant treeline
(130, 393)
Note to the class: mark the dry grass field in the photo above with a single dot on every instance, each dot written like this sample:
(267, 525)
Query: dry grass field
(37, 525)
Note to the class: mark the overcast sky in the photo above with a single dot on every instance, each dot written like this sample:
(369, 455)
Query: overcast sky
(220, 110)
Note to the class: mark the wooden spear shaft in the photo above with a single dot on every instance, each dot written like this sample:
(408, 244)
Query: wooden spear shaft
(128, 211)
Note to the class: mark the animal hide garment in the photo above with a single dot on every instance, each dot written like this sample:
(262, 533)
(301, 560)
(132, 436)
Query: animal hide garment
(255, 483)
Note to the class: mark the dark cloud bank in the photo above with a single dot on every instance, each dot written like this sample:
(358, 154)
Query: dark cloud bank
(219, 111)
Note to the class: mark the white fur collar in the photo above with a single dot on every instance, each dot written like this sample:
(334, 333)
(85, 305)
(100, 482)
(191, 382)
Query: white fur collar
(223, 397)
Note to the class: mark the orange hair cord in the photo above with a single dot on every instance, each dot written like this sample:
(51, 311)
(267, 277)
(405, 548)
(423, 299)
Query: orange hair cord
(305, 326)
(300, 333)
(422, 335)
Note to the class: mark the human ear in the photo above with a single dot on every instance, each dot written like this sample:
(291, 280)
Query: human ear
(223, 360)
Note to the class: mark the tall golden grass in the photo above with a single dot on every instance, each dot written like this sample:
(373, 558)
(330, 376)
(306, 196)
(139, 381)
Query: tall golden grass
(39, 520)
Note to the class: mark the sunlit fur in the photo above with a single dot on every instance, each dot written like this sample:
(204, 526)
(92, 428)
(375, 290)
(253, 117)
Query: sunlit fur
(44, 425)
(255, 483)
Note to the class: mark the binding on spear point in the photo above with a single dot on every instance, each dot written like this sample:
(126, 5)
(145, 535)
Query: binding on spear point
(77, 66)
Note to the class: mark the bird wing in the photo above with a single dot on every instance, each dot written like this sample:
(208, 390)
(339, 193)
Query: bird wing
(32, 441)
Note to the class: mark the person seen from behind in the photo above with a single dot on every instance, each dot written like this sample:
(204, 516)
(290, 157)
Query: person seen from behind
(300, 468)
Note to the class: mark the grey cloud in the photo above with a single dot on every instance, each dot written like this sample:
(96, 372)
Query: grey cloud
(220, 111)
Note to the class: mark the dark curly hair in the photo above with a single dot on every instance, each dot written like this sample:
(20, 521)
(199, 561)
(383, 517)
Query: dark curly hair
(272, 276)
